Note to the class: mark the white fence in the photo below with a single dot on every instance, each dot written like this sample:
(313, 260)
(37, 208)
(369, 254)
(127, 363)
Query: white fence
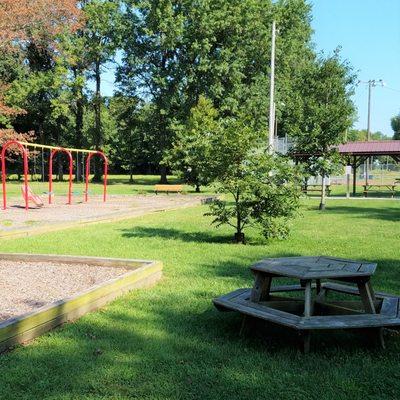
(379, 173)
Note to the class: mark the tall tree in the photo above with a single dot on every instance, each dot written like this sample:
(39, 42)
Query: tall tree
(27, 20)
(151, 70)
(26, 23)
(354, 135)
(326, 113)
(129, 148)
(102, 35)
(395, 122)
(225, 56)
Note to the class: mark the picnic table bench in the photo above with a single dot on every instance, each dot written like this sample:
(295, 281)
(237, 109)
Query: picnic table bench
(168, 188)
(367, 310)
(316, 188)
(387, 187)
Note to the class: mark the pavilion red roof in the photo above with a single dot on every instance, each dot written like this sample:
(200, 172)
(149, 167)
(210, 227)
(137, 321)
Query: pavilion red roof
(373, 147)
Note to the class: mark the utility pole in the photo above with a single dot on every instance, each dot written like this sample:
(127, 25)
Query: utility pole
(272, 93)
(371, 83)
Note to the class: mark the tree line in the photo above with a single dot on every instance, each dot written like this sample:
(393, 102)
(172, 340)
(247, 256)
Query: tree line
(167, 55)
(192, 79)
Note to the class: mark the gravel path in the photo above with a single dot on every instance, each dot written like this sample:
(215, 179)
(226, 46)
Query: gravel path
(26, 286)
(15, 218)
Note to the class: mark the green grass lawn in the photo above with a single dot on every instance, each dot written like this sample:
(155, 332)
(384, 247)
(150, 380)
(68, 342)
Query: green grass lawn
(117, 185)
(168, 342)
(143, 184)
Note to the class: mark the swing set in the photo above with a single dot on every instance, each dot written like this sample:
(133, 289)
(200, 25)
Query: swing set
(27, 193)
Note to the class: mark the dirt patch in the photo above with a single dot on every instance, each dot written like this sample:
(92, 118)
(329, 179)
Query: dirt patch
(27, 286)
(16, 218)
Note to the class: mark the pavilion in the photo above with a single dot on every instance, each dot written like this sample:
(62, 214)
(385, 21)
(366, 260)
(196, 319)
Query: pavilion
(356, 153)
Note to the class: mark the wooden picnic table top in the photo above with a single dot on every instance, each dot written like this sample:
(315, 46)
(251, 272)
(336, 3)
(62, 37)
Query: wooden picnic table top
(307, 268)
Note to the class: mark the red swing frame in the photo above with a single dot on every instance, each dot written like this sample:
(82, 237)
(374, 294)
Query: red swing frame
(54, 150)
(24, 152)
(71, 167)
(103, 156)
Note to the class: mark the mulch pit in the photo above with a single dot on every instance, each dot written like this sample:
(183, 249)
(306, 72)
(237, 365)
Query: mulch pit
(27, 286)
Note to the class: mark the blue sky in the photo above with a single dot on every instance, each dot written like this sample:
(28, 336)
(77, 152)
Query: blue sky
(369, 33)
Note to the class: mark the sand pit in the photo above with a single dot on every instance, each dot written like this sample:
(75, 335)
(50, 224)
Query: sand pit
(58, 215)
(26, 286)
(41, 292)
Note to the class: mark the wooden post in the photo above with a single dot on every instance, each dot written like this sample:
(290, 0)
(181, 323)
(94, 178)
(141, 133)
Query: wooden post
(307, 313)
(348, 173)
(354, 176)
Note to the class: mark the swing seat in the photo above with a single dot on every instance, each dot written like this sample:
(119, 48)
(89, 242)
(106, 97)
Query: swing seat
(32, 197)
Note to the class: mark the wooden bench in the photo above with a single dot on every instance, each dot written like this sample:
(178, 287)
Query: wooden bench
(168, 188)
(316, 188)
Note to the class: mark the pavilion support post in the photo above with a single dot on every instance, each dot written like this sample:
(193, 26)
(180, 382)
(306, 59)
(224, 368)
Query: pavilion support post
(354, 176)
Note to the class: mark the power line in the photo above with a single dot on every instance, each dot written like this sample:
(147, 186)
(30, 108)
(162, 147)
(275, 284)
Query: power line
(390, 88)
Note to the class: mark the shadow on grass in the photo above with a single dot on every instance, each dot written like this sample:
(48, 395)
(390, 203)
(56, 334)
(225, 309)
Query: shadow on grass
(384, 213)
(175, 234)
(173, 344)
(240, 266)
(190, 351)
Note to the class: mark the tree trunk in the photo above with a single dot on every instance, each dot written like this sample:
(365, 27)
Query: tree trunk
(239, 235)
(79, 130)
(239, 238)
(130, 173)
(322, 203)
(60, 169)
(163, 174)
(197, 188)
(98, 139)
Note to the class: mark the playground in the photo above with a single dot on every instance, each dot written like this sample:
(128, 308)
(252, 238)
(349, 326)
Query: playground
(38, 214)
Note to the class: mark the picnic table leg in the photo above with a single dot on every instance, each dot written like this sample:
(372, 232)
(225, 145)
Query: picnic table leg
(306, 341)
(261, 288)
(260, 292)
(243, 326)
(308, 310)
(368, 297)
(318, 286)
(307, 300)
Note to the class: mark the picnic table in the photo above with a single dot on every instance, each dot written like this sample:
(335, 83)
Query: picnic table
(313, 311)
(316, 189)
(389, 187)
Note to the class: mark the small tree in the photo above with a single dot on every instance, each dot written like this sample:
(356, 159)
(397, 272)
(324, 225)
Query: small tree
(263, 187)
